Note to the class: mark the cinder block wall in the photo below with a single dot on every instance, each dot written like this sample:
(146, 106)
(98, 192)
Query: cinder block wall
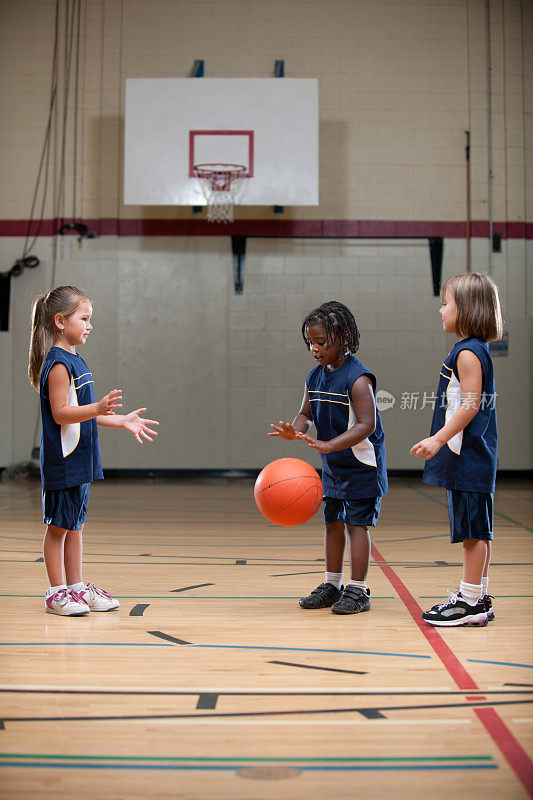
(399, 85)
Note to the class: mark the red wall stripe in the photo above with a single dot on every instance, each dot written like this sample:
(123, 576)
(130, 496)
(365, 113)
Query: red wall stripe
(279, 228)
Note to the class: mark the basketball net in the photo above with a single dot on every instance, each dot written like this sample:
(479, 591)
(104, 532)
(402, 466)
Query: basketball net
(221, 186)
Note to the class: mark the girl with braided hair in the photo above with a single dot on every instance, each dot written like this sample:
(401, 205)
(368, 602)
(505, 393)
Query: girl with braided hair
(339, 398)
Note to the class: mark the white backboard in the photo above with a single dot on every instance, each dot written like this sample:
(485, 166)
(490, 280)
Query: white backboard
(270, 125)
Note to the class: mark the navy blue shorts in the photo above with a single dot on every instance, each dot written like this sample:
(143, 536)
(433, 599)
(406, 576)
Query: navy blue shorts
(471, 515)
(363, 511)
(66, 508)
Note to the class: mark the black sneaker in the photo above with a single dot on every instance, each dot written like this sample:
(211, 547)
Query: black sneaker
(456, 611)
(322, 597)
(353, 601)
(487, 599)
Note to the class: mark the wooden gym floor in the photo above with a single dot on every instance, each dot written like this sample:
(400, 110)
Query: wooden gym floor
(211, 682)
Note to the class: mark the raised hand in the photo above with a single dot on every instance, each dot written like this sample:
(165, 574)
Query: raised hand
(109, 402)
(138, 426)
(284, 430)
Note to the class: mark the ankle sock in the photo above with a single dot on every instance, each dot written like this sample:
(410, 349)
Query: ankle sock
(359, 584)
(485, 585)
(470, 592)
(54, 589)
(77, 587)
(334, 578)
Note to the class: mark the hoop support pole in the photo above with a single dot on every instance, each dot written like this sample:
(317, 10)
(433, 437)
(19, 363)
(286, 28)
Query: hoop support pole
(279, 72)
(197, 72)
(238, 248)
(436, 247)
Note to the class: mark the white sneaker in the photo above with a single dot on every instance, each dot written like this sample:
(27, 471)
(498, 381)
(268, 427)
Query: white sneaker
(97, 599)
(66, 603)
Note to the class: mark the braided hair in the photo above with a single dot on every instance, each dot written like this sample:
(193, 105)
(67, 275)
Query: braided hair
(338, 322)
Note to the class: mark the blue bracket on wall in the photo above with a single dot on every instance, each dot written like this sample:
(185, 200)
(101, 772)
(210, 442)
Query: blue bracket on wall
(198, 68)
(198, 72)
(436, 249)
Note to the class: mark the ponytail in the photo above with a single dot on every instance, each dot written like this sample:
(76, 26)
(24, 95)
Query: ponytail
(62, 300)
(39, 340)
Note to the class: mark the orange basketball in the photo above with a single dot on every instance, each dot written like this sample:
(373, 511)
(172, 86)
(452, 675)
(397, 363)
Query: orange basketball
(288, 491)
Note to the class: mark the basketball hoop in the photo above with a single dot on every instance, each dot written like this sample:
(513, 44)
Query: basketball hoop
(221, 186)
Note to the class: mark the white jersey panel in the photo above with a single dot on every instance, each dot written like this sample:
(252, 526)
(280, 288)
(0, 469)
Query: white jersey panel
(453, 398)
(70, 434)
(364, 451)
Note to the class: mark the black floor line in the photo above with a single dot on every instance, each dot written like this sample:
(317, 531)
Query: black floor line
(207, 700)
(369, 713)
(196, 586)
(288, 574)
(261, 563)
(167, 637)
(139, 609)
(518, 684)
(325, 669)
(377, 713)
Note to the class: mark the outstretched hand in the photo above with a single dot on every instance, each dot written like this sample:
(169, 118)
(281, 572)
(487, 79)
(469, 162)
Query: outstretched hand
(138, 426)
(284, 430)
(316, 444)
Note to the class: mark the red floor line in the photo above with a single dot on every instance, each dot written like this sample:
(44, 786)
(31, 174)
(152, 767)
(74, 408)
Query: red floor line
(508, 745)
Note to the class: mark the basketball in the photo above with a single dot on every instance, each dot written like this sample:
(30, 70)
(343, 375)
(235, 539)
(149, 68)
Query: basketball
(288, 492)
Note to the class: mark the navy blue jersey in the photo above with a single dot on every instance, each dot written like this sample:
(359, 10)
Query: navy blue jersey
(69, 454)
(468, 460)
(358, 471)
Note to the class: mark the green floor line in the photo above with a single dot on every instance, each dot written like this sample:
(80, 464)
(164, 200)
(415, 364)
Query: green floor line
(251, 759)
(252, 597)
(201, 597)
(510, 519)
(499, 596)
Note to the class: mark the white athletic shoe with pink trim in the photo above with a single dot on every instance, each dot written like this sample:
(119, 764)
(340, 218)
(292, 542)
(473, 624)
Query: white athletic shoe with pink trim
(97, 599)
(65, 602)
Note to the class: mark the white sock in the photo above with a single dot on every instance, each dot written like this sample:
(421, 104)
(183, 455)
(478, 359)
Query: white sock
(77, 587)
(485, 584)
(470, 592)
(54, 589)
(359, 584)
(334, 578)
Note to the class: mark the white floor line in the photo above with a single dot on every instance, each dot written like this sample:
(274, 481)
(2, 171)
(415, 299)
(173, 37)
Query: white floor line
(510, 689)
(238, 689)
(299, 722)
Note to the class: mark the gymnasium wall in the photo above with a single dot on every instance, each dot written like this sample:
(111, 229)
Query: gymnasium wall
(399, 85)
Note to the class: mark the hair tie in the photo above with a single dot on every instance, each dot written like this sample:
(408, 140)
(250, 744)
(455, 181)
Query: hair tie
(47, 296)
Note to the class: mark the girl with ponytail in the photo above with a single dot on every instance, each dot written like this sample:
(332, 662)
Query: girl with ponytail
(70, 454)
